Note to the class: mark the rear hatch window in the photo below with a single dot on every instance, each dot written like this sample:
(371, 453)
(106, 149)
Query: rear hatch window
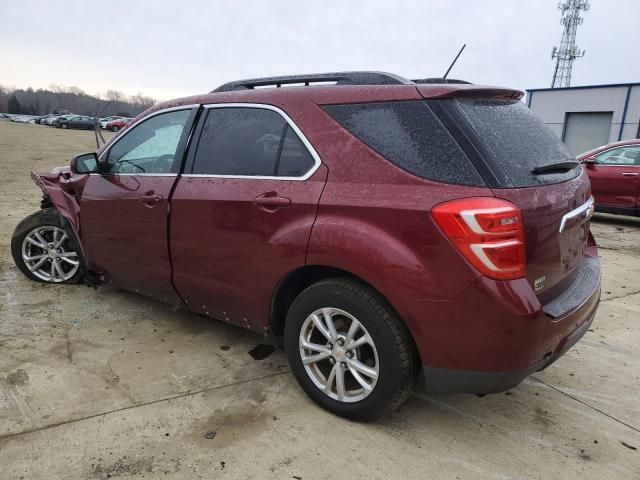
(410, 135)
(517, 141)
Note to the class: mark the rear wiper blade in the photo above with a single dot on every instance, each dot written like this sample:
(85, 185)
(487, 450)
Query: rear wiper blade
(556, 167)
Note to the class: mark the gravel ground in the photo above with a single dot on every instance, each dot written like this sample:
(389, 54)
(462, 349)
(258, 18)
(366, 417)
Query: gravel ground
(98, 384)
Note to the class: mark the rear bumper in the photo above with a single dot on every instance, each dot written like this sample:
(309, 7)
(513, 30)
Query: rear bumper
(443, 380)
(496, 333)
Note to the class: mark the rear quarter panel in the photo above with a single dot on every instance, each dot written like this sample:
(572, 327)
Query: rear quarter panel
(374, 221)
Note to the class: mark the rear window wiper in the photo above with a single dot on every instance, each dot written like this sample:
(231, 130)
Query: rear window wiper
(557, 167)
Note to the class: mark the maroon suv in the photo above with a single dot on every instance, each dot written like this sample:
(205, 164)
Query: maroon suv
(391, 230)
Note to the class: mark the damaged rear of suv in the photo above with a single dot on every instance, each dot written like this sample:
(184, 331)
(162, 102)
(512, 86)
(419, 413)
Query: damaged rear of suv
(392, 231)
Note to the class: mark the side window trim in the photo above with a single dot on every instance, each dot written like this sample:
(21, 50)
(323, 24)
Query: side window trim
(289, 123)
(182, 144)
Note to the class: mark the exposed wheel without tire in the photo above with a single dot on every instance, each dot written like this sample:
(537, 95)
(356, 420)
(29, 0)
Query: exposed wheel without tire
(349, 350)
(45, 249)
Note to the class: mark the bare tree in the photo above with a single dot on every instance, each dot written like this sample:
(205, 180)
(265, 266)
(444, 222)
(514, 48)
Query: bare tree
(58, 98)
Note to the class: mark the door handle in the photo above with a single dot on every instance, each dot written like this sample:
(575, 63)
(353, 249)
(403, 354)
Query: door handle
(150, 199)
(271, 201)
(629, 174)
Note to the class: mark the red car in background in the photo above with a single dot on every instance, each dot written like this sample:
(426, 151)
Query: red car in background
(118, 124)
(614, 171)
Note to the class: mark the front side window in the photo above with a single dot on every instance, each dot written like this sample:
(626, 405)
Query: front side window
(149, 147)
(242, 141)
(620, 156)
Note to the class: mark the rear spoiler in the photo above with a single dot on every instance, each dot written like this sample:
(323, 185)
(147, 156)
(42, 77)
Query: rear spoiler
(461, 90)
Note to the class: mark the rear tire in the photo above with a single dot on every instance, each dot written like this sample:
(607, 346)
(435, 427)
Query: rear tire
(387, 364)
(47, 228)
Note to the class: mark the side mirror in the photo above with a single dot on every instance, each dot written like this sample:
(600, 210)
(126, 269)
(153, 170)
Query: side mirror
(85, 163)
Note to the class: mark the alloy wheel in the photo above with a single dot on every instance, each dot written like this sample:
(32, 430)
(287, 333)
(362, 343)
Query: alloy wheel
(339, 355)
(48, 254)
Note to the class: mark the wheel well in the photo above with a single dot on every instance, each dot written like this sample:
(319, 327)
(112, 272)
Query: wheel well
(293, 284)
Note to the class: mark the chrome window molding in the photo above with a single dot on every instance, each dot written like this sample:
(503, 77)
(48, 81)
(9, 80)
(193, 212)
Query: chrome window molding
(290, 122)
(264, 106)
(103, 156)
(134, 174)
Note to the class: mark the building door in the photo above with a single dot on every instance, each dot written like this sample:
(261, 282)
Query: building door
(586, 130)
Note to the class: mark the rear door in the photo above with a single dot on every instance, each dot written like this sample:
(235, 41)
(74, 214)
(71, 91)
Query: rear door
(243, 211)
(615, 177)
(124, 209)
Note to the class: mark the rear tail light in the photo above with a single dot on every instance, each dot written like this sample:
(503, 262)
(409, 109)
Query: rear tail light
(488, 232)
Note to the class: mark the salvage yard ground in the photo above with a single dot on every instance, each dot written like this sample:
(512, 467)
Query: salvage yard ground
(99, 384)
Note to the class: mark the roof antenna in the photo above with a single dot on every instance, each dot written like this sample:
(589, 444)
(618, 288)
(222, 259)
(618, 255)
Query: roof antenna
(453, 63)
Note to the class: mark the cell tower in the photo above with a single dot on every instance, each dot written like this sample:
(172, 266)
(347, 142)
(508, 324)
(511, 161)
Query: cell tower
(568, 50)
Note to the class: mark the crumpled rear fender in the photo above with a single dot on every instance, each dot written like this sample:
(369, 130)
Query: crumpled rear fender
(61, 192)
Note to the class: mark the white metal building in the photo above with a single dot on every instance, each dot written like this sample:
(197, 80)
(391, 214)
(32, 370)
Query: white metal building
(589, 116)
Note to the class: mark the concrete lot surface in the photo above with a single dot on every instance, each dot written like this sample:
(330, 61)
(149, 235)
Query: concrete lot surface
(98, 384)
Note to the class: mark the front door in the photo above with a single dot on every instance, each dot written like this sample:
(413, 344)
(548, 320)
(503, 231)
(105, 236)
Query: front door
(615, 177)
(241, 218)
(124, 209)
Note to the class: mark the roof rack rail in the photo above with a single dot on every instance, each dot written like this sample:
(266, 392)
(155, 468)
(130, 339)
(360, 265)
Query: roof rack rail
(340, 78)
(439, 80)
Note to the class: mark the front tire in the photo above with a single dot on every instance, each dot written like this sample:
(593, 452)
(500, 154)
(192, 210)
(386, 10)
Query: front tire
(114, 129)
(349, 349)
(64, 125)
(46, 250)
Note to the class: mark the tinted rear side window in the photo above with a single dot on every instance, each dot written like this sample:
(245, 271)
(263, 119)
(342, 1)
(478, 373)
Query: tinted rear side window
(295, 160)
(411, 136)
(239, 141)
(250, 142)
(518, 141)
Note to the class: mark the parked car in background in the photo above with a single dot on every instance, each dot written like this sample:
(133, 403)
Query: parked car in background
(55, 122)
(104, 121)
(74, 121)
(450, 240)
(42, 120)
(19, 118)
(50, 119)
(614, 171)
(118, 124)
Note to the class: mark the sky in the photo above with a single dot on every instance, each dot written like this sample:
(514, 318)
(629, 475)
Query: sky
(165, 49)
